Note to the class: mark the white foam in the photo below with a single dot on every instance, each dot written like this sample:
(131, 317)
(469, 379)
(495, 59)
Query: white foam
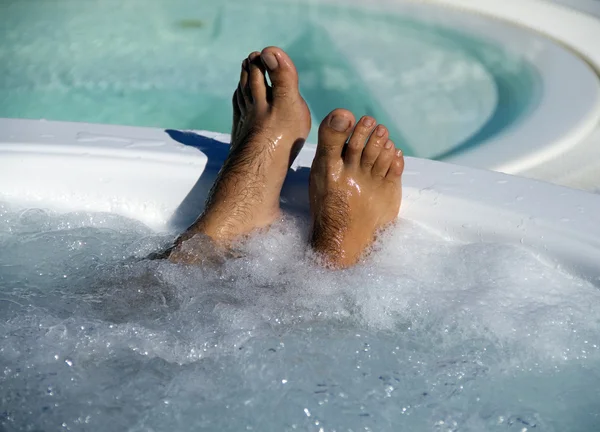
(427, 334)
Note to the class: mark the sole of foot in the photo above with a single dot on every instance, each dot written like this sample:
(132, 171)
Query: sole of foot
(270, 126)
(355, 187)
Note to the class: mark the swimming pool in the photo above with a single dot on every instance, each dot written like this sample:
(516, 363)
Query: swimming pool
(426, 72)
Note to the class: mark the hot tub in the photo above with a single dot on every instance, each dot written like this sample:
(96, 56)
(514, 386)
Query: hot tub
(479, 313)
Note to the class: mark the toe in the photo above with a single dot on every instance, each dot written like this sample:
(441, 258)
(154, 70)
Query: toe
(356, 144)
(397, 167)
(235, 103)
(244, 74)
(247, 88)
(282, 73)
(237, 116)
(373, 148)
(243, 88)
(256, 79)
(241, 102)
(384, 160)
(333, 133)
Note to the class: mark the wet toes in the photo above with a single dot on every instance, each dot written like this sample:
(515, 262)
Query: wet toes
(360, 135)
(397, 167)
(373, 148)
(282, 73)
(334, 132)
(237, 115)
(247, 89)
(235, 103)
(257, 84)
(241, 100)
(384, 160)
(243, 88)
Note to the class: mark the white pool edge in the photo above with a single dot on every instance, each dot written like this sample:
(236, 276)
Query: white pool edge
(557, 22)
(142, 173)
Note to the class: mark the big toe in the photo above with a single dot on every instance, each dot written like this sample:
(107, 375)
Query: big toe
(334, 132)
(282, 72)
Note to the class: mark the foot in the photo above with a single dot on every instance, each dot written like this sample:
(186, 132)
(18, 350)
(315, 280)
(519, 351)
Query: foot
(270, 125)
(355, 188)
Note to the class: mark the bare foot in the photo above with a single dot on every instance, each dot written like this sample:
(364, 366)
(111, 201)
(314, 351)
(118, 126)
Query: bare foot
(355, 189)
(270, 125)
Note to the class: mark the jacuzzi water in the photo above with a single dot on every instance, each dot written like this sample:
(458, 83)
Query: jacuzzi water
(175, 64)
(428, 335)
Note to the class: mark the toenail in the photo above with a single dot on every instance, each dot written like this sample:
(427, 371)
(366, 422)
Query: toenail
(368, 122)
(270, 60)
(245, 64)
(388, 144)
(399, 153)
(339, 123)
(380, 131)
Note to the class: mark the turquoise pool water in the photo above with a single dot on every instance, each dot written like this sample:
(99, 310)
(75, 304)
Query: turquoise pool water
(175, 64)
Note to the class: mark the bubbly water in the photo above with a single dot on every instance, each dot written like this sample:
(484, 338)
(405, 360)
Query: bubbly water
(428, 335)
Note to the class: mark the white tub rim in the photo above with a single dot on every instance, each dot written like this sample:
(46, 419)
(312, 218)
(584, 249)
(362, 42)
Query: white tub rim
(144, 174)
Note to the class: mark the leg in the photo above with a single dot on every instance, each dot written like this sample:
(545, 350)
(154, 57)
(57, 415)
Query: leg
(270, 125)
(355, 188)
